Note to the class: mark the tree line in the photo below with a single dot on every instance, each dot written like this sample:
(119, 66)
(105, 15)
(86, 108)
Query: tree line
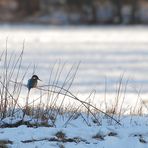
(29, 7)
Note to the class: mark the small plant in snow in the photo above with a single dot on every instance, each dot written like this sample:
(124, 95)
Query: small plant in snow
(3, 143)
(60, 135)
(112, 134)
(98, 136)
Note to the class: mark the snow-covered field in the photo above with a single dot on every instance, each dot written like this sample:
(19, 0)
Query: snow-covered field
(133, 133)
(106, 54)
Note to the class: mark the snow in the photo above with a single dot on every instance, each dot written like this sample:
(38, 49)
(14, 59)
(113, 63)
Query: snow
(105, 54)
(126, 135)
(115, 50)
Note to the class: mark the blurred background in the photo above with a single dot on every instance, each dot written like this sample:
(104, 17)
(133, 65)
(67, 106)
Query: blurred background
(59, 12)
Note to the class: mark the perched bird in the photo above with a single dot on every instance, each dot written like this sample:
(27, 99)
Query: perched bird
(32, 83)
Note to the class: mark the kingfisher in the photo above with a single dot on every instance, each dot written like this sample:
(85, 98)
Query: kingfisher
(32, 83)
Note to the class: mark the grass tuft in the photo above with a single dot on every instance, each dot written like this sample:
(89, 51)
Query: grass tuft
(98, 136)
(60, 135)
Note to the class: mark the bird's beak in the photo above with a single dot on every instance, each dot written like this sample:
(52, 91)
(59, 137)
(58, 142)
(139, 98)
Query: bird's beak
(39, 79)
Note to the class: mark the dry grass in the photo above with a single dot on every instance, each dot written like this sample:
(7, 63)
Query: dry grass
(11, 83)
(4, 143)
(98, 136)
(60, 135)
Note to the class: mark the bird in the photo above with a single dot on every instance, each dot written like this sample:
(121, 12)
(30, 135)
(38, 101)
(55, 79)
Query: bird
(32, 83)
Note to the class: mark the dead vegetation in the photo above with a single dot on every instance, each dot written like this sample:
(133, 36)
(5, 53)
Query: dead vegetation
(4, 143)
(46, 114)
(56, 139)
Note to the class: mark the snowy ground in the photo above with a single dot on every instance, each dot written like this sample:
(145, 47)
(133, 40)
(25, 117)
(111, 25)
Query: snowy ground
(133, 133)
(105, 54)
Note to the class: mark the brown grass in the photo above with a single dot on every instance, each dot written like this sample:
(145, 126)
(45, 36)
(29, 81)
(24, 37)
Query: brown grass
(11, 83)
